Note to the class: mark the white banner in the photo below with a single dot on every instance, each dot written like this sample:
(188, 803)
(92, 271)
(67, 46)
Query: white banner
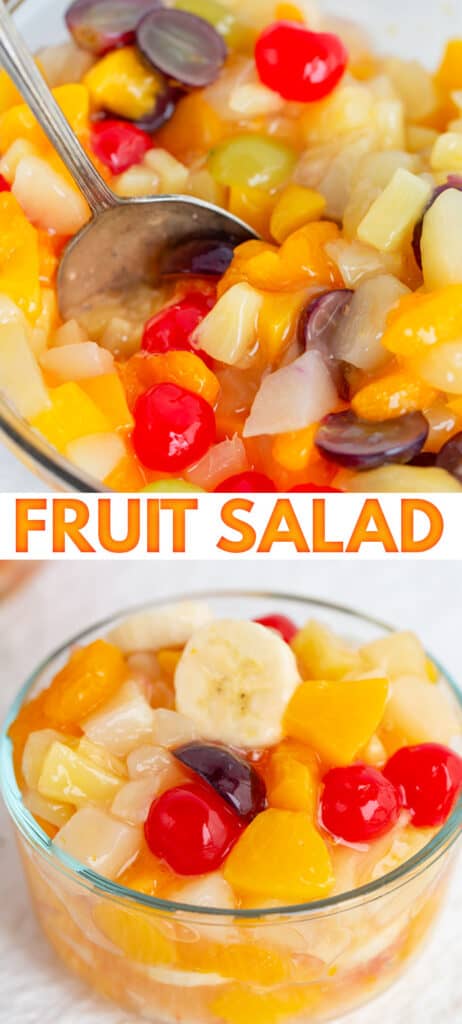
(238, 526)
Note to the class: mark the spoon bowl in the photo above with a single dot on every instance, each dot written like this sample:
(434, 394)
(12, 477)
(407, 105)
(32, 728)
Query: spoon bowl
(123, 242)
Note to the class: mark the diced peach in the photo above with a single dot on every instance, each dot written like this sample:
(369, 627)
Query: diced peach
(194, 127)
(107, 393)
(282, 856)
(252, 205)
(290, 784)
(296, 206)
(301, 261)
(321, 654)
(123, 83)
(72, 415)
(277, 320)
(69, 778)
(294, 449)
(20, 123)
(19, 257)
(335, 717)
(92, 675)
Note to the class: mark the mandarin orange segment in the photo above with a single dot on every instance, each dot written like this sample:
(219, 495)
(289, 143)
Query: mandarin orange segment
(290, 784)
(92, 676)
(135, 934)
(241, 961)
(422, 320)
(293, 450)
(183, 368)
(280, 856)
(337, 717)
(391, 396)
(241, 1005)
(301, 260)
(72, 414)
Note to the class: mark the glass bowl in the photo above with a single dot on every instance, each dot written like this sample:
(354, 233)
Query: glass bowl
(194, 965)
(392, 26)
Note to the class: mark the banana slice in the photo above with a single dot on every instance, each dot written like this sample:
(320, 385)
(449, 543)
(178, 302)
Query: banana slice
(170, 625)
(234, 680)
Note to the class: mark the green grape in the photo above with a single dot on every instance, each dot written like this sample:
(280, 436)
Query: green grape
(236, 35)
(251, 161)
(171, 485)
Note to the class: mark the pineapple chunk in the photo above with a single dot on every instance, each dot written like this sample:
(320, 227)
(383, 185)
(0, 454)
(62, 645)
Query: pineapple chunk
(396, 655)
(321, 654)
(102, 757)
(166, 626)
(47, 198)
(150, 760)
(441, 243)
(133, 801)
(229, 331)
(419, 712)
(51, 811)
(97, 454)
(172, 174)
(395, 212)
(97, 840)
(123, 723)
(68, 777)
(171, 729)
(446, 154)
(35, 751)
(20, 377)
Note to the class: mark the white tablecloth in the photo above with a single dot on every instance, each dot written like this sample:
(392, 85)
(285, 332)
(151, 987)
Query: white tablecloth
(60, 599)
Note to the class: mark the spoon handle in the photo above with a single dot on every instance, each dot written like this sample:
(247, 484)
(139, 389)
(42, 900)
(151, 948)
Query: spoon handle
(21, 67)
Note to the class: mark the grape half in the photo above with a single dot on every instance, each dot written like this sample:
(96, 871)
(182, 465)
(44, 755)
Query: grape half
(231, 776)
(201, 257)
(362, 444)
(317, 328)
(182, 46)
(103, 25)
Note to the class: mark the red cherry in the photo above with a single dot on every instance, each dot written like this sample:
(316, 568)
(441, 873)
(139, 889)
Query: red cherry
(172, 327)
(314, 489)
(4, 185)
(428, 778)
(300, 65)
(358, 803)
(173, 427)
(119, 145)
(246, 483)
(282, 624)
(192, 828)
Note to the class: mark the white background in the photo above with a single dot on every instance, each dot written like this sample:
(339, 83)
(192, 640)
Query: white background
(63, 598)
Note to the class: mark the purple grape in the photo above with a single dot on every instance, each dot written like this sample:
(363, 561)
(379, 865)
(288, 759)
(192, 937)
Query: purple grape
(317, 327)
(231, 776)
(454, 182)
(201, 257)
(450, 456)
(361, 444)
(103, 25)
(164, 106)
(181, 45)
(426, 460)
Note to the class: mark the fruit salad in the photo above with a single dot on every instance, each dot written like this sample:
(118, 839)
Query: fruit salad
(325, 354)
(251, 792)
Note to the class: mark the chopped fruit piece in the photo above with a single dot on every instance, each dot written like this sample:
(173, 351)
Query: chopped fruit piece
(290, 783)
(358, 803)
(282, 624)
(37, 746)
(396, 655)
(123, 83)
(19, 257)
(72, 415)
(391, 396)
(72, 779)
(246, 483)
(419, 712)
(322, 654)
(295, 207)
(241, 961)
(20, 123)
(251, 161)
(239, 1005)
(429, 779)
(280, 856)
(168, 659)
(94, 838)
(31, 718)
(122, 723)
(133, 932)
(186, 369)
(422, 320)
(91, 677)
(337, 718)
(300, 65)
(394, 213)
(107, 393)
(229, 332)
(147, 874)
(192, 828)
(232, 777)
(20, 377)
(119, 145)
(173, 427)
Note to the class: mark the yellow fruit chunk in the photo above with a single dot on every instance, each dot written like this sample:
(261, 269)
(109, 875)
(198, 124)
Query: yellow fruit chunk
(336, 717)
(148, 874)
(72, 779)
(432, 670)
(123, 83)
(31, 718)
(241, 961)
(135, 934)
(420, 321)
(392, 216)
(241, 1005)
(280, 856)
(321, 654)
(391, 396)
(253, 206)
(9, 94)
(290, 784)
(127, 476)
(395, 655)
(19, 257)
(91, 677)
(72, 415)
(295, 207)
(276, 321)
(293, 450)
(168, 659)
(20, 123)
(301, 260)
(107, 392)
(187, 370)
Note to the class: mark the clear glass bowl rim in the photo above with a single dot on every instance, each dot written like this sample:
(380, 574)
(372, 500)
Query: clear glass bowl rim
(37, 838)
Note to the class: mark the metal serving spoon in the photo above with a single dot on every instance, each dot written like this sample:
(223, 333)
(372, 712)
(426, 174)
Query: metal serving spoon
(121, 245)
